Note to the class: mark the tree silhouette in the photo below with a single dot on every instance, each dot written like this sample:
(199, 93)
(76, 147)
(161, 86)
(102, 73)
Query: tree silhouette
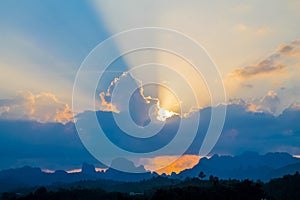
(201, 175)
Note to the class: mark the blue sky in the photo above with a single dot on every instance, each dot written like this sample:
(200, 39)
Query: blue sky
(256, 46)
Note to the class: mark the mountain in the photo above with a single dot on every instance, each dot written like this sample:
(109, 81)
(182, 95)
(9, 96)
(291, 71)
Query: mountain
(249, 165)
(289, 169)
(26, 177)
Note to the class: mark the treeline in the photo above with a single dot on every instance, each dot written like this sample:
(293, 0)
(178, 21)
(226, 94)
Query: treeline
(285, 188)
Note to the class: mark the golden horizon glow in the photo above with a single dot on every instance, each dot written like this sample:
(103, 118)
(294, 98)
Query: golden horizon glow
(183, 162)
(97, 169)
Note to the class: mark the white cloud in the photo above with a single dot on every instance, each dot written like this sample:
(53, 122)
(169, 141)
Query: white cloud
(270, 103)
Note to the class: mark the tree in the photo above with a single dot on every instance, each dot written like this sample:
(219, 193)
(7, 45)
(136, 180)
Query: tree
(201, 175)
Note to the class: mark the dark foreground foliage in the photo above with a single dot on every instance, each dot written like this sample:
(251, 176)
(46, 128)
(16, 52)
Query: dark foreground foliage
(285, 188)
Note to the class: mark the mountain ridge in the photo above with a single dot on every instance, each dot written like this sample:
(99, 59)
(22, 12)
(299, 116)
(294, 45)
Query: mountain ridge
(249, 165)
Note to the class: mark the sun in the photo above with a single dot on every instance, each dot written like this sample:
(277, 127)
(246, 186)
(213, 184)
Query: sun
(163, 114)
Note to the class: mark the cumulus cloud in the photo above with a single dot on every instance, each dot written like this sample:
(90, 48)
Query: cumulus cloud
(270, 103)
(107, 106)
(105, 96)
(42, 107)
(138, 105)
(141, 100)
(119, 103)
(272, 64)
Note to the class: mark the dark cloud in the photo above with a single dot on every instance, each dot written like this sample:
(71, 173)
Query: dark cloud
(46, 145)
(56, 145)
(261, 132)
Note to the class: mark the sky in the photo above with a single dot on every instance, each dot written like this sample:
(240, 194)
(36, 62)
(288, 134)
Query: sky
(255, 46)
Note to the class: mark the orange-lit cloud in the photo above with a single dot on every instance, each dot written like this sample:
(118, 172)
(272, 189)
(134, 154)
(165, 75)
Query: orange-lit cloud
(272, 64)
(254, 108)
(48, 171)
(97, 169)
(266, 66)
(74, 170)
(252, 30)
(292, 49)
(42, 107)
(295, 106)
(182, 163)
(107, 106)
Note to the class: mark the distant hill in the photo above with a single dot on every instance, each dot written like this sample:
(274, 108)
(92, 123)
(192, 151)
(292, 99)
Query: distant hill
(25, 177)
(289, 169)
(249, 165)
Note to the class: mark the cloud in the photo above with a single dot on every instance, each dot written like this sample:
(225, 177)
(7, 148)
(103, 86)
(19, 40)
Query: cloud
(118, 103)
(261, 132)
(256, 31)
(245, 118)
(107, 106)
(295, 106)
(266, 66)
(245, 85)
(291, 49)
(56, 145)
(270, 103)
(182, 163)
(42, 107)
(105, 96)
(138, 105)
(141, 100)
(272, 64)
(46, 145)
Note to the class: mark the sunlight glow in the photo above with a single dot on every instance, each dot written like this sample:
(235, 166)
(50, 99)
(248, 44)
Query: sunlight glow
(163, 114)
(178, 163)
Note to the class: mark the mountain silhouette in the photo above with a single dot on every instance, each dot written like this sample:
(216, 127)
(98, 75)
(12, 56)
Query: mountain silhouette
(249, 165)
(27, 176)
